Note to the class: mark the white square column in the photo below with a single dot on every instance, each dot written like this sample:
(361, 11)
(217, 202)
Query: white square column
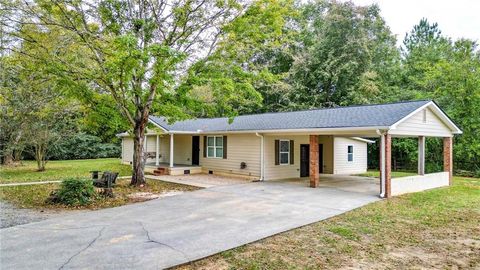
(157, 151)
(171, 150)
(421, 155)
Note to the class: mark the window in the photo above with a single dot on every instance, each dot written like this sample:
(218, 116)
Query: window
(424, 116)
(215, 146)
(284, 152)
(350, 152)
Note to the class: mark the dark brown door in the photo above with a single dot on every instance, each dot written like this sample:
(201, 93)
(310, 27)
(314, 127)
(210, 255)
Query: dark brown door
(304, 160)
(320, 158)
(195, 150)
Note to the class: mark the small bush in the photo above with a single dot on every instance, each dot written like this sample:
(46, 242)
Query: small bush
(74, 192)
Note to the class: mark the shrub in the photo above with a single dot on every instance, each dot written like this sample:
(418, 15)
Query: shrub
(74, 192)
(83, 146)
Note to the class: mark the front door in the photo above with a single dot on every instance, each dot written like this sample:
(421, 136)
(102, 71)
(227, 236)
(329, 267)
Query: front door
(320, 158)
(195, 150)
(304, 160)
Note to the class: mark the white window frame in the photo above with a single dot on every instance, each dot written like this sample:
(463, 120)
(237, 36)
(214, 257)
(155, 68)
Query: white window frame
(214, 147)
(280, 152)
(348, 153)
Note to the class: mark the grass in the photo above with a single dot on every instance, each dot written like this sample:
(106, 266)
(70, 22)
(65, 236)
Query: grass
(433, 229)
(60, 169)
(395, 174)
(34, 196)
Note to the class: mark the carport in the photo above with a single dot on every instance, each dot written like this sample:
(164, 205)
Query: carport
(350, 183)
(426, 121)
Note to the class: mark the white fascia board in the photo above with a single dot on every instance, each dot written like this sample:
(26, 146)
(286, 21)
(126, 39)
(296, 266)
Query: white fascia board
(437, 111)
(157, 125)
(268, 131)
(362, 139)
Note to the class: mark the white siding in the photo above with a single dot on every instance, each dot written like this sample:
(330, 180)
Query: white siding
(273, 171)
(341, 163)
(127, 150)
(415, 126)
(182, 146)
(240, 148)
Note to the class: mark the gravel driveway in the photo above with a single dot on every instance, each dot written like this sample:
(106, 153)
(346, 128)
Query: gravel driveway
(13, 216)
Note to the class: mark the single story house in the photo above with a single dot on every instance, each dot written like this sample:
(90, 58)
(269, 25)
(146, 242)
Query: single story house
(294, 144)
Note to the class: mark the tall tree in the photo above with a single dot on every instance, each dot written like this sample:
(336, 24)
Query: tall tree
(244, 69)
(343, 50)
(137, 51)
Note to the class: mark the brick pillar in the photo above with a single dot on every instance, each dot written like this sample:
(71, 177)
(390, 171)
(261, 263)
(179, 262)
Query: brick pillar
(448, 157)
(314, 177)
(388, 165)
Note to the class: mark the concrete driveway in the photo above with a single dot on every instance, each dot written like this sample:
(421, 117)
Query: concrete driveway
(174, 230)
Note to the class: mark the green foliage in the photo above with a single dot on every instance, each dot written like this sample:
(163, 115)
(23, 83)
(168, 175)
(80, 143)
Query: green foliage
(234, 77)
(344, 54)
(74, 192)
(84, 146)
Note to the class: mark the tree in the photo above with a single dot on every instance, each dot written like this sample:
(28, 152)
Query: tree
(243, 70)
(344, 51)
(137, 51)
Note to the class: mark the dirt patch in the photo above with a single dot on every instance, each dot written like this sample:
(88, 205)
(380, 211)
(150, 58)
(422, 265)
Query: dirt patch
(145, 196)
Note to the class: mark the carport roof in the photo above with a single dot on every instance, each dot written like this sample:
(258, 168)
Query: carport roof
(368, 116)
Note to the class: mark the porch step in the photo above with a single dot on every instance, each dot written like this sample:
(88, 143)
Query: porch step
(160, 171)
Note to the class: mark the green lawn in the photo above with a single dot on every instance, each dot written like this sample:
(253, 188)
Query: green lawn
(394, 174)
(435, 229)
(61, 169)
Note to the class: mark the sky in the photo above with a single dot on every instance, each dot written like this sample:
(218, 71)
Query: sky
(456, 19)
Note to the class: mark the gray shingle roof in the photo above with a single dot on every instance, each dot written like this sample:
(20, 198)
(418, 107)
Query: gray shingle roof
(340, 117)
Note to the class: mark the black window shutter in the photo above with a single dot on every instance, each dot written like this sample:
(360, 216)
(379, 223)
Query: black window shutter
(224, 147)
(277, 152)
(204, 146)
(292, 150)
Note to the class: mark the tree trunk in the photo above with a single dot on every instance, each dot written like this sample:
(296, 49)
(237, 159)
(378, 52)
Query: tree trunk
(40, 158)
(138, 174)
(8, 158)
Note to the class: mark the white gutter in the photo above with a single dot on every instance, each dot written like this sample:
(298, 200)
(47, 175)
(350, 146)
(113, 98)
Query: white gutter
(382, 159)
(309, 130)
(262, 156)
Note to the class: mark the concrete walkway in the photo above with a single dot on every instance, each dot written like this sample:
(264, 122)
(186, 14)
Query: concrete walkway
(28, 183)
(43, 182)
(174, 230)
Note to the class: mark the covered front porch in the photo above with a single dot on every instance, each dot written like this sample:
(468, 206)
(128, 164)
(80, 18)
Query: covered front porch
(171, 169)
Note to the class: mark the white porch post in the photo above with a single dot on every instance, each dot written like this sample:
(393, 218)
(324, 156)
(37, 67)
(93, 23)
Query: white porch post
(157, 151)
(382, 165)
(171, 150)
(421, 155)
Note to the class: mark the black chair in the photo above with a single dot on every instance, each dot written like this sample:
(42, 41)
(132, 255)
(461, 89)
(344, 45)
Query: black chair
(107, 180)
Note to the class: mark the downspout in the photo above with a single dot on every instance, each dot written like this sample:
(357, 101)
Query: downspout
(382, 158)
(262, 157)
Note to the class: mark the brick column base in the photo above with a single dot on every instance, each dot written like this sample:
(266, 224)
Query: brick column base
(448, 157)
